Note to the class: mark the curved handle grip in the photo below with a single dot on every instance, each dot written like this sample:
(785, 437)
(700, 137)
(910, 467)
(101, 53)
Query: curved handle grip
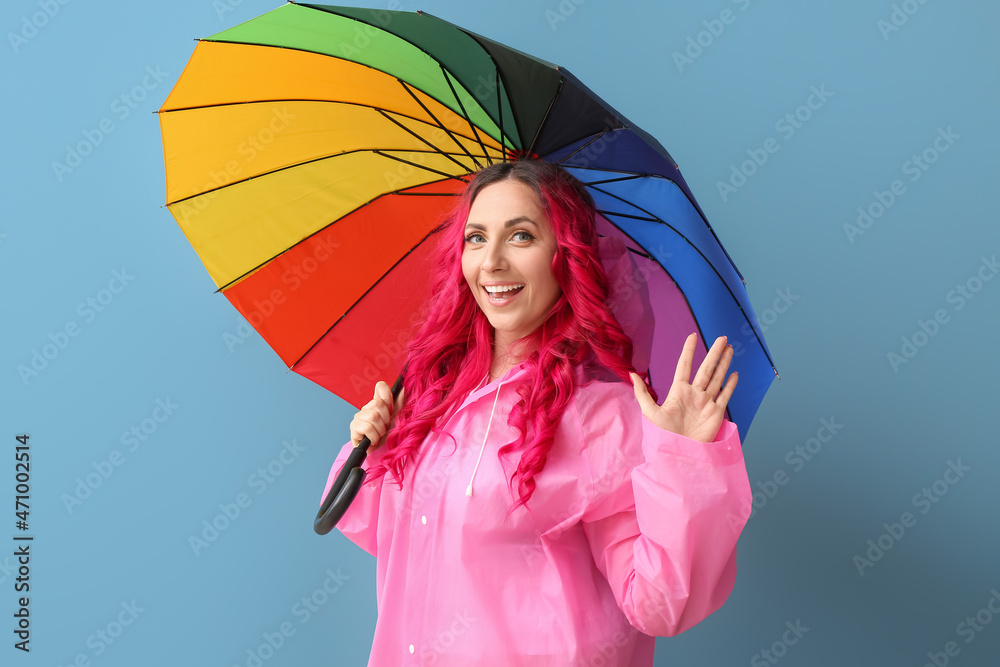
(348, 482)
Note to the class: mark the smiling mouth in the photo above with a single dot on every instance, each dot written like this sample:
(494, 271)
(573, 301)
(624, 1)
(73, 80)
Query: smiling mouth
(503, 296)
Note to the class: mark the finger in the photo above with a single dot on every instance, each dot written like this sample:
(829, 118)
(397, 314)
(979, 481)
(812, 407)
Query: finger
(378, 436)
(357, 429)
(707, 368)
(382, 402)
(373, 412)
(379, 410)
(357, 433)
(383, 392)
(723, 400)
(683, 372)
(646, 402)
(374, 430)
(708, 365)
(720, 371)
(379, 417)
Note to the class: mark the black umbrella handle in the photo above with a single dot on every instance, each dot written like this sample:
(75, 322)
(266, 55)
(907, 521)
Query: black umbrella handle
(348, 481)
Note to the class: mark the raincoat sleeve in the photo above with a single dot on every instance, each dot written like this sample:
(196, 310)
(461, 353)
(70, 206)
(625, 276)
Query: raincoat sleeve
(360, 522)
(664, 515)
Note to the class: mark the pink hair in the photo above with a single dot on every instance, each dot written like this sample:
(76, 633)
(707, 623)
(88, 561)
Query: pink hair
(452, 348)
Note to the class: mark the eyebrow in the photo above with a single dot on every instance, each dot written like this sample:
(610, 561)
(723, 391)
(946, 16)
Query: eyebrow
(510, 223)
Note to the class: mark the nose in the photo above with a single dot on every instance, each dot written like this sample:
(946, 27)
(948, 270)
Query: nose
(494, 257)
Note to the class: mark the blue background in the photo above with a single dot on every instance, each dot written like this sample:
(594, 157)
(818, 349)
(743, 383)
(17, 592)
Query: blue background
(833, 308)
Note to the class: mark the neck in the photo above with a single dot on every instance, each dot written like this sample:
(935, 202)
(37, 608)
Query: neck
(507, 354)
(497, 370)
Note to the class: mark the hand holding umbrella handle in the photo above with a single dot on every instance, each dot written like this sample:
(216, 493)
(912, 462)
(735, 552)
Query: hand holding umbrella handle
(348, 482)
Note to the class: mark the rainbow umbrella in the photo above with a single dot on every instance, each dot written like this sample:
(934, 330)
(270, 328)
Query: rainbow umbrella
(311, 153)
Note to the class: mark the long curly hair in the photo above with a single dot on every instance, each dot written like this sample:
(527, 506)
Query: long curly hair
(451, 350)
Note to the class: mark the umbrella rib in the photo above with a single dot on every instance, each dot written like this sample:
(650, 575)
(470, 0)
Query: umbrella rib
(545, 118)
(320, 53)
(595, 138)
(669, 275)
(610, 170)
(633, 177)
(429, 55)
(654, 218)
(441, 125)
(326, 226)
(465, 114)
(362, 297)
(690, 201)
(500, 110)
(635, 217)
(420, 166)
(356, 104)
(626, 175)
(419, 138)
(406, 191)
(423, 194)
(299, 164)
(693, 203)
(500, 78)
(683, 295)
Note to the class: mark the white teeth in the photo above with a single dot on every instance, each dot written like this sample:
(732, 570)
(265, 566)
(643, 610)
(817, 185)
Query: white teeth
(496, 289)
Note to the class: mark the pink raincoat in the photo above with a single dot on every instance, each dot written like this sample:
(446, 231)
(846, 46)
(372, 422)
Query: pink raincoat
(630, 534)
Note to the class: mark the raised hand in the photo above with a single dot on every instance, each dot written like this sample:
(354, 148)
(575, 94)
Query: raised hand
(694, 410)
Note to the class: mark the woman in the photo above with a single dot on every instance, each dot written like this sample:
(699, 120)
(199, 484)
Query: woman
(540, 510)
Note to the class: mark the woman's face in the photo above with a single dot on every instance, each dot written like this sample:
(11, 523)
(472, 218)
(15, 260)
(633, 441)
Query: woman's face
(507, 259)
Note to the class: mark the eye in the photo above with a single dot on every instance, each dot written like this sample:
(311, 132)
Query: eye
(471, 238)
(525, 236)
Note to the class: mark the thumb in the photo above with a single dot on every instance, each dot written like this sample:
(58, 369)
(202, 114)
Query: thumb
(646, 402)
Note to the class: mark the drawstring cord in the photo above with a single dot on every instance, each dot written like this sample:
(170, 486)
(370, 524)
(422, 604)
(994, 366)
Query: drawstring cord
(468, 491)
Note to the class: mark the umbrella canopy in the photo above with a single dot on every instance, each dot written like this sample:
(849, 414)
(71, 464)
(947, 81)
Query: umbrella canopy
(312, 152)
